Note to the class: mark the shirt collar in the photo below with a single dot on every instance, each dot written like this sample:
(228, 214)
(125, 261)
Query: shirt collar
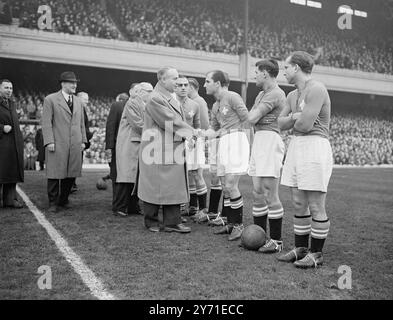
(66, 95)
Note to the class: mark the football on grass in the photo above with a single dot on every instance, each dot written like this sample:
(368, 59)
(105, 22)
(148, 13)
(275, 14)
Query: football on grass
(253, 237)
(101, 184)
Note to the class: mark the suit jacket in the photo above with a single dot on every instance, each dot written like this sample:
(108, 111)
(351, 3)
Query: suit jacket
(67, 131)
(113, 123)
(111, 131)
(11, 144)
(163, 172)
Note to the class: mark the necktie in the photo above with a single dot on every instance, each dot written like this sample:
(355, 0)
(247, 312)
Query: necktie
(69, 102)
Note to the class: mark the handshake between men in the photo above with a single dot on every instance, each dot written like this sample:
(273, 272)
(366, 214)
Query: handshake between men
(199, 133)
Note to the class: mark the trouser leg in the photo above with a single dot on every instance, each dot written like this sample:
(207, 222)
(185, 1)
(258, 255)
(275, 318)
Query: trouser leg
(171, 215)
(53, 190)
(9, 193)
(65, 190)
(150, 212)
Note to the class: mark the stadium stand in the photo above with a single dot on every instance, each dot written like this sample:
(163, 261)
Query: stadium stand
(216, 26)
(358, 137)
(86, 18)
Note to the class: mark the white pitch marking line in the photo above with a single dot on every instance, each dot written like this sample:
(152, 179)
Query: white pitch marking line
(88, 277)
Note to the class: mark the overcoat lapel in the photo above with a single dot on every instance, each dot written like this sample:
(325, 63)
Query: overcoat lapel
(62, 102)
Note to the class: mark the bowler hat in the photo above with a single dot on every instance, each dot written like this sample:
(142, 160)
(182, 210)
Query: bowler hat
(68, 76)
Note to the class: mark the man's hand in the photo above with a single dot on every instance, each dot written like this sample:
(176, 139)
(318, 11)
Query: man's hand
(198, 133)
(51, 147)
(7, 128)
(191, 144)
(210, 133)
(108, 154)
(83, 146)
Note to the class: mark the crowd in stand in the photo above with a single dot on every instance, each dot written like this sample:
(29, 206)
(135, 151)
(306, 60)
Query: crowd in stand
(361, 137)
(85, 18)
(217, 26)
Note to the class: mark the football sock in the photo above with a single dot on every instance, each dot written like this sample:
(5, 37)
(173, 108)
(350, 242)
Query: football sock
(202, 194)
(193, 198)
(214, 201)
(275, 215)
(259, 212)
(302, 229)
(319, 233)
(236, 210)
(226, 206)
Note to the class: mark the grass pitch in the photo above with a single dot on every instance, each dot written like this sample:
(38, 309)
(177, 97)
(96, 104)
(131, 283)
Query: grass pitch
(136, 264)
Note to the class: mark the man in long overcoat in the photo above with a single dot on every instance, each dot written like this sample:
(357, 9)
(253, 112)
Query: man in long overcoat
(163, 174)
(11, 147)
(64, 135)
(127, 145)
(111, 131)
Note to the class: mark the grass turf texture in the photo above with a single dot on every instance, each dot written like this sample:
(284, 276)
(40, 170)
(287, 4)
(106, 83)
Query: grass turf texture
(136, 264)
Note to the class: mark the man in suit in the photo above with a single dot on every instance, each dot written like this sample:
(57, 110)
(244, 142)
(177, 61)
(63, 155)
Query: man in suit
(127, 146)
(112, 128)
(163, 173)
(84, 97)
(11, 147)
(64, 134)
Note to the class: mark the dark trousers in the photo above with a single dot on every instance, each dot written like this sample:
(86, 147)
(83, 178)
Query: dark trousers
(123, 200)
(59, 190)
(8, 193)
(170, 214)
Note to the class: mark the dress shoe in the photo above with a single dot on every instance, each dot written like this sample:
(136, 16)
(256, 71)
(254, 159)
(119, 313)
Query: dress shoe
(181, 228)
(154, 229)
(65, 206)
(52, 208)
(16, 205)
(120, 214)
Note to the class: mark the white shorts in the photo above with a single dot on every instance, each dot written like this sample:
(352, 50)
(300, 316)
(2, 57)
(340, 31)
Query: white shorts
(195, 157)
(308, 164)
(233, 154)
(212, 154)
(267, 154)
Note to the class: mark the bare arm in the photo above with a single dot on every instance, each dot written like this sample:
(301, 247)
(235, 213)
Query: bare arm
(285, 120)
(240, 108)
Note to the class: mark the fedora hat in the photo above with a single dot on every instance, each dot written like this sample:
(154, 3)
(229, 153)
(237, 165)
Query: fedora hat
(68, 76)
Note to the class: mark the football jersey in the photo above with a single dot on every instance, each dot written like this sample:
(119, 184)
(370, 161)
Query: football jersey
(274, 99)
(229, 112)
(298, 101)
(191, 112)
(203, 111)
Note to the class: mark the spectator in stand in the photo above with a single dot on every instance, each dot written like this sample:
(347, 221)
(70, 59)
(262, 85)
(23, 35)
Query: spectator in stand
(30, 155)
